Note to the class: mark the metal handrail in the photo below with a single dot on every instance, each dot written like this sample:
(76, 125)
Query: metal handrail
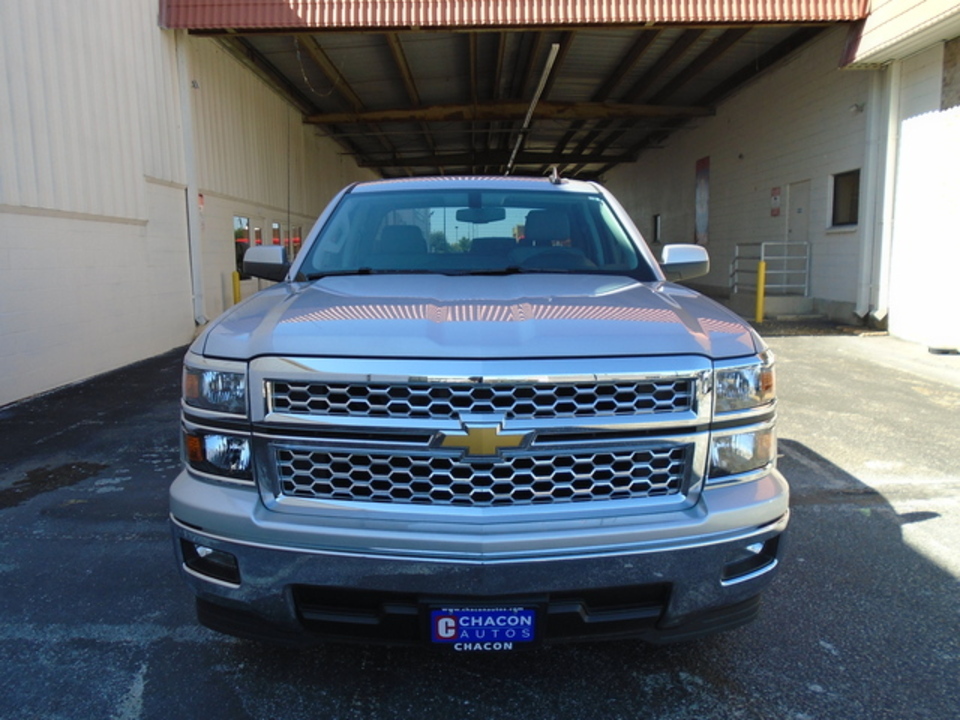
(787, 268)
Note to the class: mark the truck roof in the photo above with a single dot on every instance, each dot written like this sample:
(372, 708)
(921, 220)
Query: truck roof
(475, 182)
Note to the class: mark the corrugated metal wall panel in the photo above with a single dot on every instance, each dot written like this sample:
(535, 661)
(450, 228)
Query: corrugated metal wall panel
(252, 145)
(255, 158)
(159, 102)
(898, 28)
(242, 129)
(73, 129)
(211, 14)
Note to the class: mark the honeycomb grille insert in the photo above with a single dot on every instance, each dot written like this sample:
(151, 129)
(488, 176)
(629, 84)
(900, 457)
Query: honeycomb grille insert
(522, 479)
(512, 400)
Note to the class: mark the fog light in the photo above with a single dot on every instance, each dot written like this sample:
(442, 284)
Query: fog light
(735, 454)
(207, 561)
(750, 561)
(226, 455)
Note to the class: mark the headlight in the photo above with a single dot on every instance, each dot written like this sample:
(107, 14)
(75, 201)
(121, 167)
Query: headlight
(219, 454)
(219, 390)
(738, 453)
(745, 386)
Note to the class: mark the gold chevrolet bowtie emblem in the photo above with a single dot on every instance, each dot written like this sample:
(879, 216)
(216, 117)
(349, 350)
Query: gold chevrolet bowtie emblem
(483, 440)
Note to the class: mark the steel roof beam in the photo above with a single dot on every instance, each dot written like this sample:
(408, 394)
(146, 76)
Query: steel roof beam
(243, 51)
(409, 83)
(339, 82)
(737, 79)
(655, 73)
(263, 68)
(507, 111)
(490, 157)
(605, 90)
(709, 56)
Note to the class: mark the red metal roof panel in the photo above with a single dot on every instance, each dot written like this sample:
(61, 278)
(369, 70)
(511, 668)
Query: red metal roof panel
(374, 14)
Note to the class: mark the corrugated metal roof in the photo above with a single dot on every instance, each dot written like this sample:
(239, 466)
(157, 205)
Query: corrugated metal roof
(461, 99)
(376, 14)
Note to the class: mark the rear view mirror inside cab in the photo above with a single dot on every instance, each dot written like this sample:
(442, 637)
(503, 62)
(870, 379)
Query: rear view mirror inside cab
(481, 215)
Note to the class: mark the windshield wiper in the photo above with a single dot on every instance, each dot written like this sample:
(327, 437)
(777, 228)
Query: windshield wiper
(338, 273)
(509, 270)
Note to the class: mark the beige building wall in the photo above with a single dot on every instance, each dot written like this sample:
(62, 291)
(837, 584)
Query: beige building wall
(924, 297)
(787, 134)
(798, 126)
(896, 29)
(255, 159)
(94, 269)
(95, 253)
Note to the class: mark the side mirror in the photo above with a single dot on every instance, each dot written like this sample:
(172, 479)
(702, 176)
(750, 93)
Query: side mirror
(683, 262)
(266, 261)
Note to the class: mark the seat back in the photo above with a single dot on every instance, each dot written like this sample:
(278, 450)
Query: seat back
(402, 240)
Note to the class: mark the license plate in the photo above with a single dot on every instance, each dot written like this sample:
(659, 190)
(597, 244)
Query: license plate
(483, 629)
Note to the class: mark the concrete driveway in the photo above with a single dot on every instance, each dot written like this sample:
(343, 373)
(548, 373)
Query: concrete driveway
(862, 622)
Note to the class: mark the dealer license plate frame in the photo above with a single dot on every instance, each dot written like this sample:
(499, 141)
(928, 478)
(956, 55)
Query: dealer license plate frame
(481, 627)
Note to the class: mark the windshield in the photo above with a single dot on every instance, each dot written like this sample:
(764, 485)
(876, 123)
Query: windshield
(473, 232)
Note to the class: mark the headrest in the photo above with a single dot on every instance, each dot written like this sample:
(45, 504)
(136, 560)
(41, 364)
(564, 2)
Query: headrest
(546, 226)
(401, 239)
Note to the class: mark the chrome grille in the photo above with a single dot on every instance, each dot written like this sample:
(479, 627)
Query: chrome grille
(521, 479)
(525, 400)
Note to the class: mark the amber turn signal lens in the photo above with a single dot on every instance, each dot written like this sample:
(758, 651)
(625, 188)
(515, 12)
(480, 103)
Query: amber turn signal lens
(194, 447)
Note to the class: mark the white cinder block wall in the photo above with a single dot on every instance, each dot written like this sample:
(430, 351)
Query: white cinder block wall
(804, 120)
(94, 252)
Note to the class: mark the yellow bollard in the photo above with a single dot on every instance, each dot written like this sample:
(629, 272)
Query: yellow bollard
(236, 287)
(761, 289)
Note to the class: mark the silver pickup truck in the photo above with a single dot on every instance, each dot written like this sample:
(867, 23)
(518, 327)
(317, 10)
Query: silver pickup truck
(476, 413)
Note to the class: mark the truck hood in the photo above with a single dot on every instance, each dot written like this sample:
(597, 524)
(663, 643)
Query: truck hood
(491, 317)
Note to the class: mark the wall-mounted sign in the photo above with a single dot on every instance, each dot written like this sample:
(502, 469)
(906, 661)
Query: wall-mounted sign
(775, 202)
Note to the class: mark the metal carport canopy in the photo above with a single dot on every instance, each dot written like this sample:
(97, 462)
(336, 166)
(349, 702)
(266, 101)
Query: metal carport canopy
(412, 87)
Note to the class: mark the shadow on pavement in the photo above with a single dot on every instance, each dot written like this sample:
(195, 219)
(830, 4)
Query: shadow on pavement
(858, 625)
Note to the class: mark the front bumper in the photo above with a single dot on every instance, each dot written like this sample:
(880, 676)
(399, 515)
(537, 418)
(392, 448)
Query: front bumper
(661, 576)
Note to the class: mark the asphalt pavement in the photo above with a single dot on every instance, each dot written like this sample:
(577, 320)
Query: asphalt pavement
(863, 621)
